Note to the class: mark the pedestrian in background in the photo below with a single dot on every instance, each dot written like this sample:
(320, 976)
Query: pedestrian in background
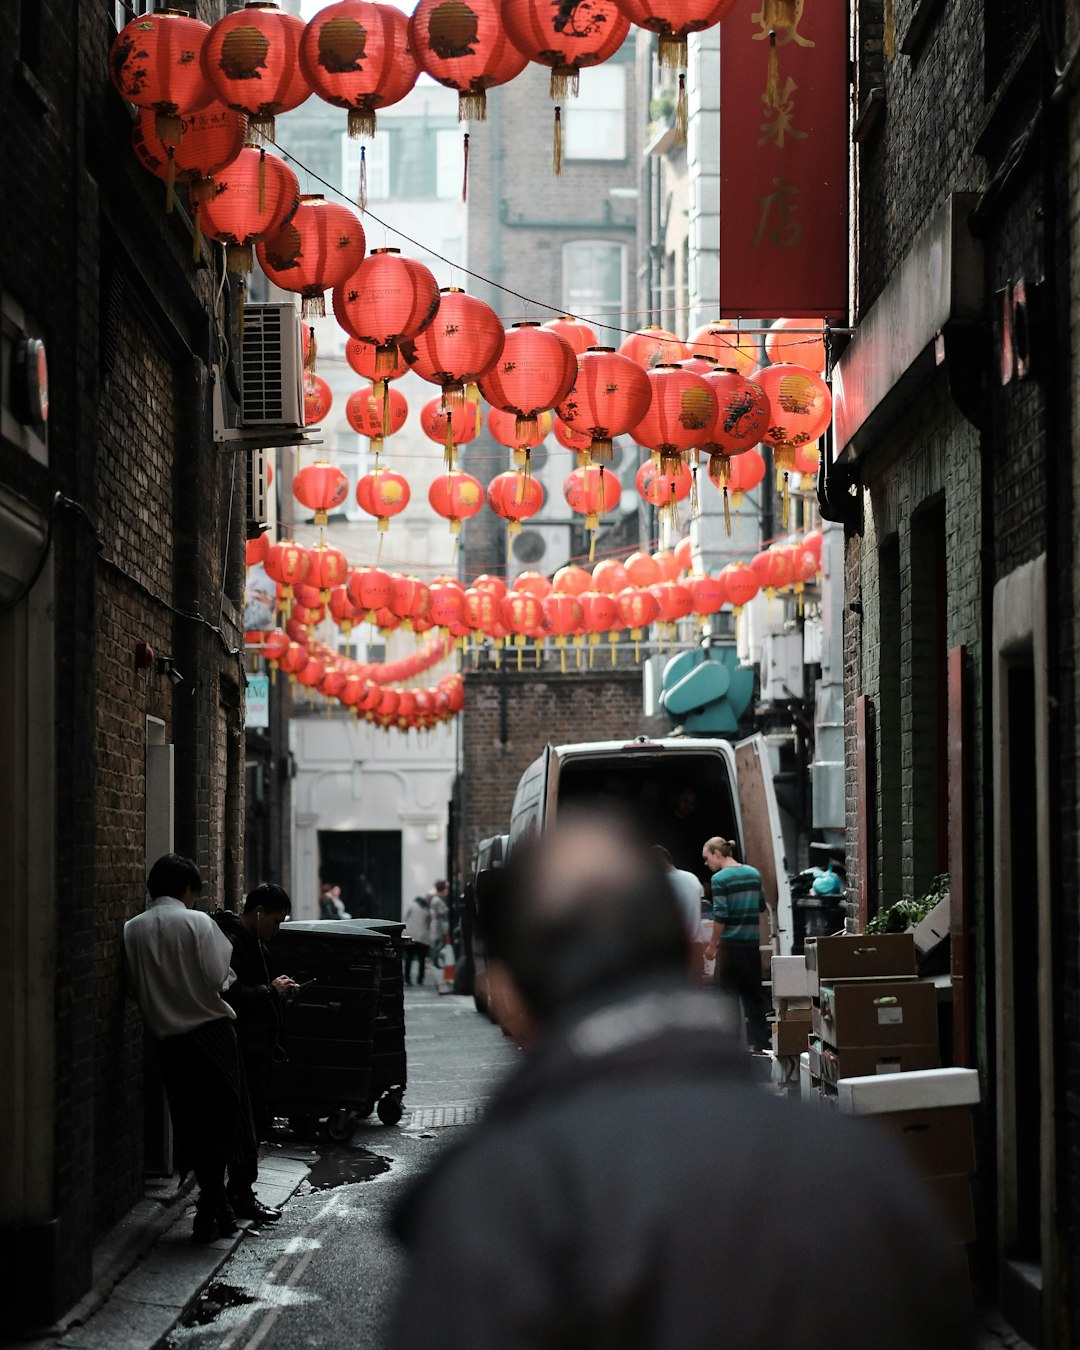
(631, 1187)
(439, 902)
(178, 968)
(257, 997)
(689, 892)
(331, 905)
(737, 900)
(418, 931)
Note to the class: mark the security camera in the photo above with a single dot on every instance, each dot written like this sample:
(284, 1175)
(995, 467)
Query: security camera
(174, 675)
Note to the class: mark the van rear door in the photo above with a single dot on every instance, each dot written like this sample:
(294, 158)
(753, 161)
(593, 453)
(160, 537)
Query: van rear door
(762, 837)
(529, 814)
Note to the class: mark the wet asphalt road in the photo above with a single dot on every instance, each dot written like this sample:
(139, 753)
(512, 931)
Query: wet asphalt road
(325, 1274)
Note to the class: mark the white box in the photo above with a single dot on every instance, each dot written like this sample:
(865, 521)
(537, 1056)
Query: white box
(918, 1090)
(934, 928)
(789, 977)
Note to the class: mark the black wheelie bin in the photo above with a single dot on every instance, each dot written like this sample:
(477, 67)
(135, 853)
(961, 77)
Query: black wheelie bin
(329, 1027)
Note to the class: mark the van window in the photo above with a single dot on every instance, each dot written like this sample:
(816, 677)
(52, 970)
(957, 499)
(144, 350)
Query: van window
(675, 798)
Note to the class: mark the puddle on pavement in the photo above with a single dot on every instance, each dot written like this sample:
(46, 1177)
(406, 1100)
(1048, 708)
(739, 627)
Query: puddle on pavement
(215, 1299)
(343, 1166)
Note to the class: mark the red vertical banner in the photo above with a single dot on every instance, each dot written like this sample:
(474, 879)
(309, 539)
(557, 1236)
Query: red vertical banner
(784, 160)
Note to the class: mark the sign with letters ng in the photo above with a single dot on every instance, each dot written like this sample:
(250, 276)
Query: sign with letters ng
(258, 701)
(784, 160)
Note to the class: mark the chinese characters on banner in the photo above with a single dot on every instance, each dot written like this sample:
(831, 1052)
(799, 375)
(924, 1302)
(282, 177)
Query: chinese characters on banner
(783, 160)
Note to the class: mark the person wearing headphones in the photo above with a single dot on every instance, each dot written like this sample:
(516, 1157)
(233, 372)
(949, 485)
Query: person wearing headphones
(256, 997)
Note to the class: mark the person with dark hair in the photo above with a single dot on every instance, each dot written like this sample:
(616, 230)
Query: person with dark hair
(256, 998)
(737, 900)
(631, 1185)
(417, 920)
(178, 967)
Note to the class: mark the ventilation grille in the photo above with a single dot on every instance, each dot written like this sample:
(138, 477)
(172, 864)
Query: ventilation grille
(270, 380)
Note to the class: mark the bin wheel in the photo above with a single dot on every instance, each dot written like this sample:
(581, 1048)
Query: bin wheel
(390, 1109)
(304, 1127)
(341, 1125)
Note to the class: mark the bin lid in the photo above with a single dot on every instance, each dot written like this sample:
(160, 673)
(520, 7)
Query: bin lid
(336, 930)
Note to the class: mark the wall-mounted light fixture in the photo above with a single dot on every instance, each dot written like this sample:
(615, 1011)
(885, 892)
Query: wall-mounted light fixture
(164, 666)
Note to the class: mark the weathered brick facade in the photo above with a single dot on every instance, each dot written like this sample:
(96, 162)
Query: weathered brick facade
(969, 485)
(146, 547)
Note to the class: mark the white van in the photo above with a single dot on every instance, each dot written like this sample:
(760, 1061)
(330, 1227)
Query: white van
(681, 791)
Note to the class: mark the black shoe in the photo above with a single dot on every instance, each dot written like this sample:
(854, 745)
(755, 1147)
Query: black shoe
(407, 980)
(204, 1228)
(250, 1207)
(226, 1220)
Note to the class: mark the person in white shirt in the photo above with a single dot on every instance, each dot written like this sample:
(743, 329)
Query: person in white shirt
(689, 892)
(178, 966)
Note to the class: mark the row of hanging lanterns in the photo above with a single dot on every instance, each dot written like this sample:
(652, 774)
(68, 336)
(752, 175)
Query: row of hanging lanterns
(643, 590)
(360, 55)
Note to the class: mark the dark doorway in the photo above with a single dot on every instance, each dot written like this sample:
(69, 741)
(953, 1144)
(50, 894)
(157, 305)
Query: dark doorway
(366, 864)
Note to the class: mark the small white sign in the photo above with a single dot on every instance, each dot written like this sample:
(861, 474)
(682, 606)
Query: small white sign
(258, 701)
(890, 1017)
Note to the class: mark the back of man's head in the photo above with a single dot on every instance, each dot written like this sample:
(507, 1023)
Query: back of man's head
(582, 908)
(269, 897)
(172, 875)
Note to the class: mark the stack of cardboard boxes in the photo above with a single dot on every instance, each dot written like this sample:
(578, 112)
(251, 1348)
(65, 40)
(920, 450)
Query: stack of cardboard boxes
(929, 1115)
(791, 1005)
(869, 1012)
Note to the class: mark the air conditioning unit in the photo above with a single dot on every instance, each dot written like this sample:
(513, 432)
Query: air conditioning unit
(264, 403)
(271, 367)
(539, 548)
(781, 667)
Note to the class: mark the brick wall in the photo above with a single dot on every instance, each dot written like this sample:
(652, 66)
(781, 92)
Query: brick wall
(510, 717)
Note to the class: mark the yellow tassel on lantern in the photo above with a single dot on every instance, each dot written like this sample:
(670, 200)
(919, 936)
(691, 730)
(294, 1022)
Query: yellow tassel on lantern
(556, 144)
(362, 123)
(312, 352)
(362, 194)
(465, 168)
(680, 111)
(727, 512)
(695, 500)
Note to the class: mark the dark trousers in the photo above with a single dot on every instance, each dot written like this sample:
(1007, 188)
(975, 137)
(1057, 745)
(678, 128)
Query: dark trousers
(208, 1103)
(415, 951)
(258, 1065)
(738, 973)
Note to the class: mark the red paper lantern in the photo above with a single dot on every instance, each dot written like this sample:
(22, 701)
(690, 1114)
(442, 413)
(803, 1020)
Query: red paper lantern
(742, 417)
(674, 20)
(600, 614)
(610, 394)
(576, 331)
(369, 590)
(565, 38)
(571, 580)
(356, 55)
(708, 594)
(662, 488)
(565, 617)
(798, 341)
(504, 428)
(450, 427)
(362, 356)
(684, 554)
(251, 58)
(317, 249)
(293, 659)
(535, 372)
(289, 565)
(447, 604)
(740, 583)
(772, 568)
(731, 349)
(610, 576)
(409, 598)
(318, 399)
(496, 585)
(680, 416)
(637, 610)
(459, 346)
(329, 568)
(592, 492)
(342, 610)
(534, 582)
(321, 487)
(313, 673)
(253, 196)
(801, 405)
(804, 565)
(523, 615)
(812, 542)
(675, 600)
(210, 139)
(465, 47)
(456, 496)
(653, 346)
(807, 459)
(642, 568)
(275, 644)
(668, 564)
(578, 441)
(481, 609)
(154, 63)
(514, 497)
(382, 493)
(735, 476)
(377, 417)
(386, 301)
(255, 550)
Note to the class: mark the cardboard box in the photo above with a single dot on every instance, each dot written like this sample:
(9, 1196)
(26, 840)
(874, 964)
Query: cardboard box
(881, 956)
(934, 928)
(789, 977)
(940, 1141)
(864, 1096)
(876, 1012)
(953, 1195)
(859, 1061)
(794, 1010)
(790, 1038)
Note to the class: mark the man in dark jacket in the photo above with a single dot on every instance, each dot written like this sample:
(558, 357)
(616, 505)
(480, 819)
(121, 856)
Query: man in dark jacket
(631, 1186)
(256, 997)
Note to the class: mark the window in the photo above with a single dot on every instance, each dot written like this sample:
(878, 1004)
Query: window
(594, 123)
(126, 10)
(449, 163)
(406, 159)
(594, 272)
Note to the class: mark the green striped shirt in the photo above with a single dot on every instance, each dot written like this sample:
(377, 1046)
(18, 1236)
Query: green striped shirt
(737, 900)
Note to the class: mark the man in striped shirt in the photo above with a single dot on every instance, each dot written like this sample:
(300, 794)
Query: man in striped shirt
(737, 900)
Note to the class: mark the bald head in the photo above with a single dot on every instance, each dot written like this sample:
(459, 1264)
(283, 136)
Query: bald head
(585, 906)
